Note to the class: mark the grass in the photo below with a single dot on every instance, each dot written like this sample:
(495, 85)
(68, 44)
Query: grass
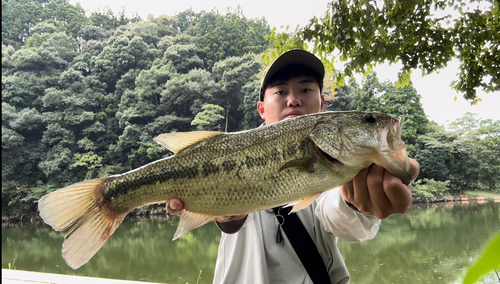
(485, 194)
(11, 265)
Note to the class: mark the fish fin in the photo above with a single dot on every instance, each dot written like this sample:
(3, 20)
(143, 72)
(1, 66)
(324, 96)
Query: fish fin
(64, 207)
(88, 236)
(179, 141)
(80, 207)
(303, 203)
(190, 221)
(303, 164)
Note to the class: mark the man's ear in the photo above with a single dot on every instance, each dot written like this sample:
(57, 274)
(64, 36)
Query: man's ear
(322, 102)
(260, 109)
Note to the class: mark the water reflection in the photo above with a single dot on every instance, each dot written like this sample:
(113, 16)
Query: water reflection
(430, 244)
(140, 250)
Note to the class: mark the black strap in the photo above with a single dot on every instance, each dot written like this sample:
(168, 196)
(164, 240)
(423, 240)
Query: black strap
(304, 246)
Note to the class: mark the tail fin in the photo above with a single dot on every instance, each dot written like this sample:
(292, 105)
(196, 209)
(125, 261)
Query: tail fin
(80, 207)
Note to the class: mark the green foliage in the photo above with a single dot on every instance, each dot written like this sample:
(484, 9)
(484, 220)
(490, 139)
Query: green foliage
(183, 57)
(18, 17)
(12, 194)
(107, 20)
(365, 33)
(84, 97)
(429, 188)
(486, 262)
(209, 118)
(88, 160)
(479, 141)
(147, 31)
(237, 78)
(230, 35)
(153, 151)
(251, 118)
(68, 18)
(468, 155)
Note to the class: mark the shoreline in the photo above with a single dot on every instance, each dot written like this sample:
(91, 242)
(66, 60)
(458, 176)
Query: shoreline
(160, 211)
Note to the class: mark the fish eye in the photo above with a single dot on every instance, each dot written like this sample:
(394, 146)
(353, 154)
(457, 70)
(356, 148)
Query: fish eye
(370, 118)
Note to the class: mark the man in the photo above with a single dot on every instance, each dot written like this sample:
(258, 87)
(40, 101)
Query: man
(249, 251)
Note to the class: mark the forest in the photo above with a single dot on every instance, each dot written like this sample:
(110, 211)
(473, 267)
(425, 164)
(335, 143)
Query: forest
(83, 96)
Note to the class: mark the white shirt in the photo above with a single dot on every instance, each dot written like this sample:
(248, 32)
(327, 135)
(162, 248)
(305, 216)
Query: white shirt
(252, 255)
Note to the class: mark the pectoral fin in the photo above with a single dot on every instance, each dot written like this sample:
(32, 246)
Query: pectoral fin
(303, 203)
(190, 221)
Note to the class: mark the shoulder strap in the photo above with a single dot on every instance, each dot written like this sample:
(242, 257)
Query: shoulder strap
(304, 246)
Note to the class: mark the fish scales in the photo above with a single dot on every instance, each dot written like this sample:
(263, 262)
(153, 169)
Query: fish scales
(171, 177)
(218, 174)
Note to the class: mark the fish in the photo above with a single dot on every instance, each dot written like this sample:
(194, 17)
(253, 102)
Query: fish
(290, 162)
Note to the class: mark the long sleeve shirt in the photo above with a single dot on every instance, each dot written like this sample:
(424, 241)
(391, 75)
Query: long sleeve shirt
(252, 254)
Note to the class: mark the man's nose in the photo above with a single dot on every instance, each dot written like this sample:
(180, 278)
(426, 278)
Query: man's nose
(294, 99)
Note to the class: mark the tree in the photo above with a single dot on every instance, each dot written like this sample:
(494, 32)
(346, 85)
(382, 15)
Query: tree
(183, 57)
(209, 118)
(18, 17)
(84, 97)
(32, 70)
(467, 156)
(220, 37)
(68, 18)
(124, 53)
(343, 97)
(233, 74)
(251, 118)
(365, 33)
(147, 31)
(185, 95)
(478, 141)
(107, 20)
(436, 154)
(368, 98)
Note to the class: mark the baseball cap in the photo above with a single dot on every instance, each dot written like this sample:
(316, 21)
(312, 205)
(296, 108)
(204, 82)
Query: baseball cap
(296, 56)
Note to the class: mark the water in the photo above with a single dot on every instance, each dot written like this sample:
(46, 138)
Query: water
(427, 245)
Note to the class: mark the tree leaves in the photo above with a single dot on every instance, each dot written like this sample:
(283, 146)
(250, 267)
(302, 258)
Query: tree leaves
(366, 33)
(486, 262)
(209, 118)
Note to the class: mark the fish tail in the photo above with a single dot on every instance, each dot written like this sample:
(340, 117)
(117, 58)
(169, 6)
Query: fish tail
(82, 208)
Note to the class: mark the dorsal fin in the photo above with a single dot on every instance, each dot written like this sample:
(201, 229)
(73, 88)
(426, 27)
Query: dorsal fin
(178, 141)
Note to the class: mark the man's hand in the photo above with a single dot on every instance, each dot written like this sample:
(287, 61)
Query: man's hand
(175, 206)
(376, 191)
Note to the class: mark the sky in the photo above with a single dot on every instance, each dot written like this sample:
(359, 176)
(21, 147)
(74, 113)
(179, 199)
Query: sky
(438, 99)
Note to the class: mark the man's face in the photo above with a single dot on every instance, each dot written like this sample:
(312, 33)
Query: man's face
(286, 99)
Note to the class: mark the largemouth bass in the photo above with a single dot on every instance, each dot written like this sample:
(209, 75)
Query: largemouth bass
(216, 174)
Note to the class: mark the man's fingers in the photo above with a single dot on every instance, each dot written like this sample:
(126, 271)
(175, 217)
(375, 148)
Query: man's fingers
(361, 197)
(229, 218)
(415, 168)
(376, 182)
(398, 194)
(347, 190)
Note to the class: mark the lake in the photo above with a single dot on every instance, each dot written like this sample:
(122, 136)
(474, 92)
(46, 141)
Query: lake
(430, 244)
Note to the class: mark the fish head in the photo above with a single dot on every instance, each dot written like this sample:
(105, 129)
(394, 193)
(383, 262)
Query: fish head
(359, 139)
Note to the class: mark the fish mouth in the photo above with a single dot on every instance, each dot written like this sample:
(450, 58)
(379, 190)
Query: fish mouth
(392, 153)
(327, 157)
